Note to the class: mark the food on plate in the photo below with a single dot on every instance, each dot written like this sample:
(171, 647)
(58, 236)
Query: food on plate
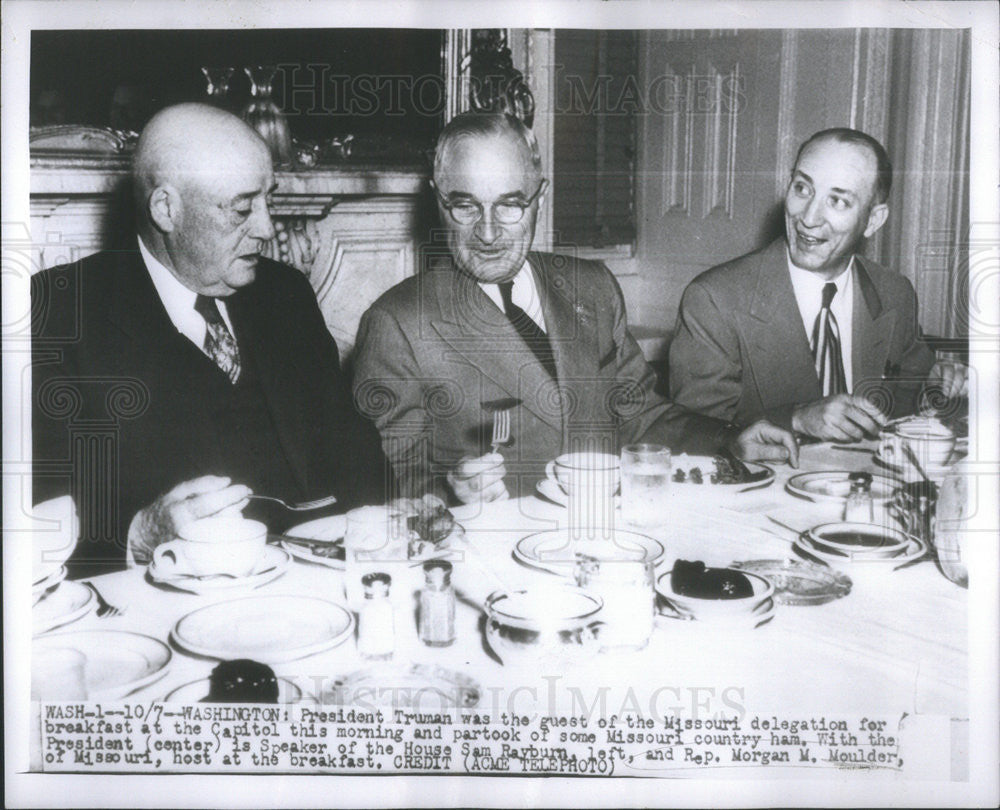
(724, 471)
(695, 580)
(429, 521)
(334, 550)
(242, 681)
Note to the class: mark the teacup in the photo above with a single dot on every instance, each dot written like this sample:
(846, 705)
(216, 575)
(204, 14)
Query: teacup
(229, 546)
(929, 440)
(598, 473)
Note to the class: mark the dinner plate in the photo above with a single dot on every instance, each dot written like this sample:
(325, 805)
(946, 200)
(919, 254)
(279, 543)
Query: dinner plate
(322, 541)
(269, 629)
(762, 613)
(116, 662)
(273, 563)
(67, 603)
(706, 464)
(834, 486)
(799, 582)
(914, 550)
(707, 609)
(196, 691)
(556, 551)
(400, 686)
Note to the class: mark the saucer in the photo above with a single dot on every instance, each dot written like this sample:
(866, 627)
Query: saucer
(911, 552)
(551, 491)
(67, 603)
(272, 564)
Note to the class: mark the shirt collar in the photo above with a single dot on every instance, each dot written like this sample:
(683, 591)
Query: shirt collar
(807, 280)
(177, 299)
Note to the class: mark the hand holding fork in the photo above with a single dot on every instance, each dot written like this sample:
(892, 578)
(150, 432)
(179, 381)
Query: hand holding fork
(481, 479)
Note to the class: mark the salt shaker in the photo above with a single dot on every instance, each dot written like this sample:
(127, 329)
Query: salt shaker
(859, 507)
(376, 630)
(437, 605)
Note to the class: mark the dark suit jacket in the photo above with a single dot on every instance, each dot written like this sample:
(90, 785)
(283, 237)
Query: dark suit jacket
(740, 349)
(121, 413)
(434, 353)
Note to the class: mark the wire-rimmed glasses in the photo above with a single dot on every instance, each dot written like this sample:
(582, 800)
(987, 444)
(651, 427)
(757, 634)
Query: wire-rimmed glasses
(468, 211)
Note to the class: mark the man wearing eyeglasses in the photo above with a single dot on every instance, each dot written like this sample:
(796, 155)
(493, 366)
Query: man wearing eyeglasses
(491, 335)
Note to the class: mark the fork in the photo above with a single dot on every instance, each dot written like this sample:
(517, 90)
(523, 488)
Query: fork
(501, 429)
(305, 506)
(104, 607)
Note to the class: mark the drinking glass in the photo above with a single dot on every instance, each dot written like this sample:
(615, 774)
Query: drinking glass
(645, 483)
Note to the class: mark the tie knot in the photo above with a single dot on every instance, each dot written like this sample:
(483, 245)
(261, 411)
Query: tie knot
(507, 294)
(829, 290)
(208, 309)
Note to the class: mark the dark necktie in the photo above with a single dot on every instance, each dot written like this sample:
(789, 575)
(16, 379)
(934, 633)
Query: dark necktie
(220, 345)
(530, 331)
(826, 347)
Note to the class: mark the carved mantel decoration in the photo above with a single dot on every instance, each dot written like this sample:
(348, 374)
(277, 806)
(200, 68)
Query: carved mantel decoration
(495, 85)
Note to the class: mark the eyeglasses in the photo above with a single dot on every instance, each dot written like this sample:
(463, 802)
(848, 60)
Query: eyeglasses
(505, 212)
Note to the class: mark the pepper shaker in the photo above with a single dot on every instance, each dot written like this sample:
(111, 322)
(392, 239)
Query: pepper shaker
(437, 605)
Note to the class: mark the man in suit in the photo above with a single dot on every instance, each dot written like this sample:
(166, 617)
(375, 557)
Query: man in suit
(488, 326)
(173, 379)
(806, 332)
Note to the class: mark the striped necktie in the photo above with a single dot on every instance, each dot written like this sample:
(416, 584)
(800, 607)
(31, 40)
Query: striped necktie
(826, 347)
(220, 345)
(530, 331)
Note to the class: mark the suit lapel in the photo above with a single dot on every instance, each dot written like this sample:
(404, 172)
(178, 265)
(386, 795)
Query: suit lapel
(164, 354)
(262, 342)
(779, 349)
(475, 328)
(871, 329)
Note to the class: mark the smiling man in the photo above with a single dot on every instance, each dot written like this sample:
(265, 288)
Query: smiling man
(172, 379)
(490, 326)
(806, 332)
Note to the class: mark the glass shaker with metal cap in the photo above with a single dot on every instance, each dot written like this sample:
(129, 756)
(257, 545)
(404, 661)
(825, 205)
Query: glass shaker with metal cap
(437, 605)
(376, 628)
(859, 507)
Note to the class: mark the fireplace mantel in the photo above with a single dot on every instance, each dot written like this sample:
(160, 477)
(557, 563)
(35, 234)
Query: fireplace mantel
(353, 229)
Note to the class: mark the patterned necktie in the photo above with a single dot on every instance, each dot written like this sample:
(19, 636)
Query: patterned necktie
(532, 333)
(220, 345)
(826, 347)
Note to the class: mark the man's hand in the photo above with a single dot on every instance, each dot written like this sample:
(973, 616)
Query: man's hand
(763, 441)
(479, 479)
(951, 377)
(208, 496)
(840, 418)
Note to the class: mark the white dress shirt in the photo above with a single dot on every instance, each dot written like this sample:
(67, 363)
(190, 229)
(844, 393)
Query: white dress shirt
(808, 287)
(178, 300)
(524, 294)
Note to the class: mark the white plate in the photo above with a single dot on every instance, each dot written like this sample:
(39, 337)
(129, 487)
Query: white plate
(892, 542)
(426, 687)
(555, 551)
(117, 662)
(273, 563)
(551, 491)
(195, 691)
(834, 485)
(67, 603)
(704, 609)
(913, 550)
(269, 629)
(707, 466)
(761, 614)
(323, 530)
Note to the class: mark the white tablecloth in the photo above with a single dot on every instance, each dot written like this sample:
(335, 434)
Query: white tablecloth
(897, 643)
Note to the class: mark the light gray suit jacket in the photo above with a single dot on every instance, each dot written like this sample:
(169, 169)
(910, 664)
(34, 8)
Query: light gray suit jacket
(740, 350)
(435, 354)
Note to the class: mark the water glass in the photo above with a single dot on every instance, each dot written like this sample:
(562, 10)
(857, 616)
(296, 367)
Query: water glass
(645, 470)
(626, 588)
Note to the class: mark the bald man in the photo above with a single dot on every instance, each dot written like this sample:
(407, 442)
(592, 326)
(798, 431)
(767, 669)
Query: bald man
(172, 380)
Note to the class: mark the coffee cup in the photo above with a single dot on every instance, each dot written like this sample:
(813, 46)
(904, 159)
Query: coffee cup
(228, 546)
(928, 439)
(598, 473)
